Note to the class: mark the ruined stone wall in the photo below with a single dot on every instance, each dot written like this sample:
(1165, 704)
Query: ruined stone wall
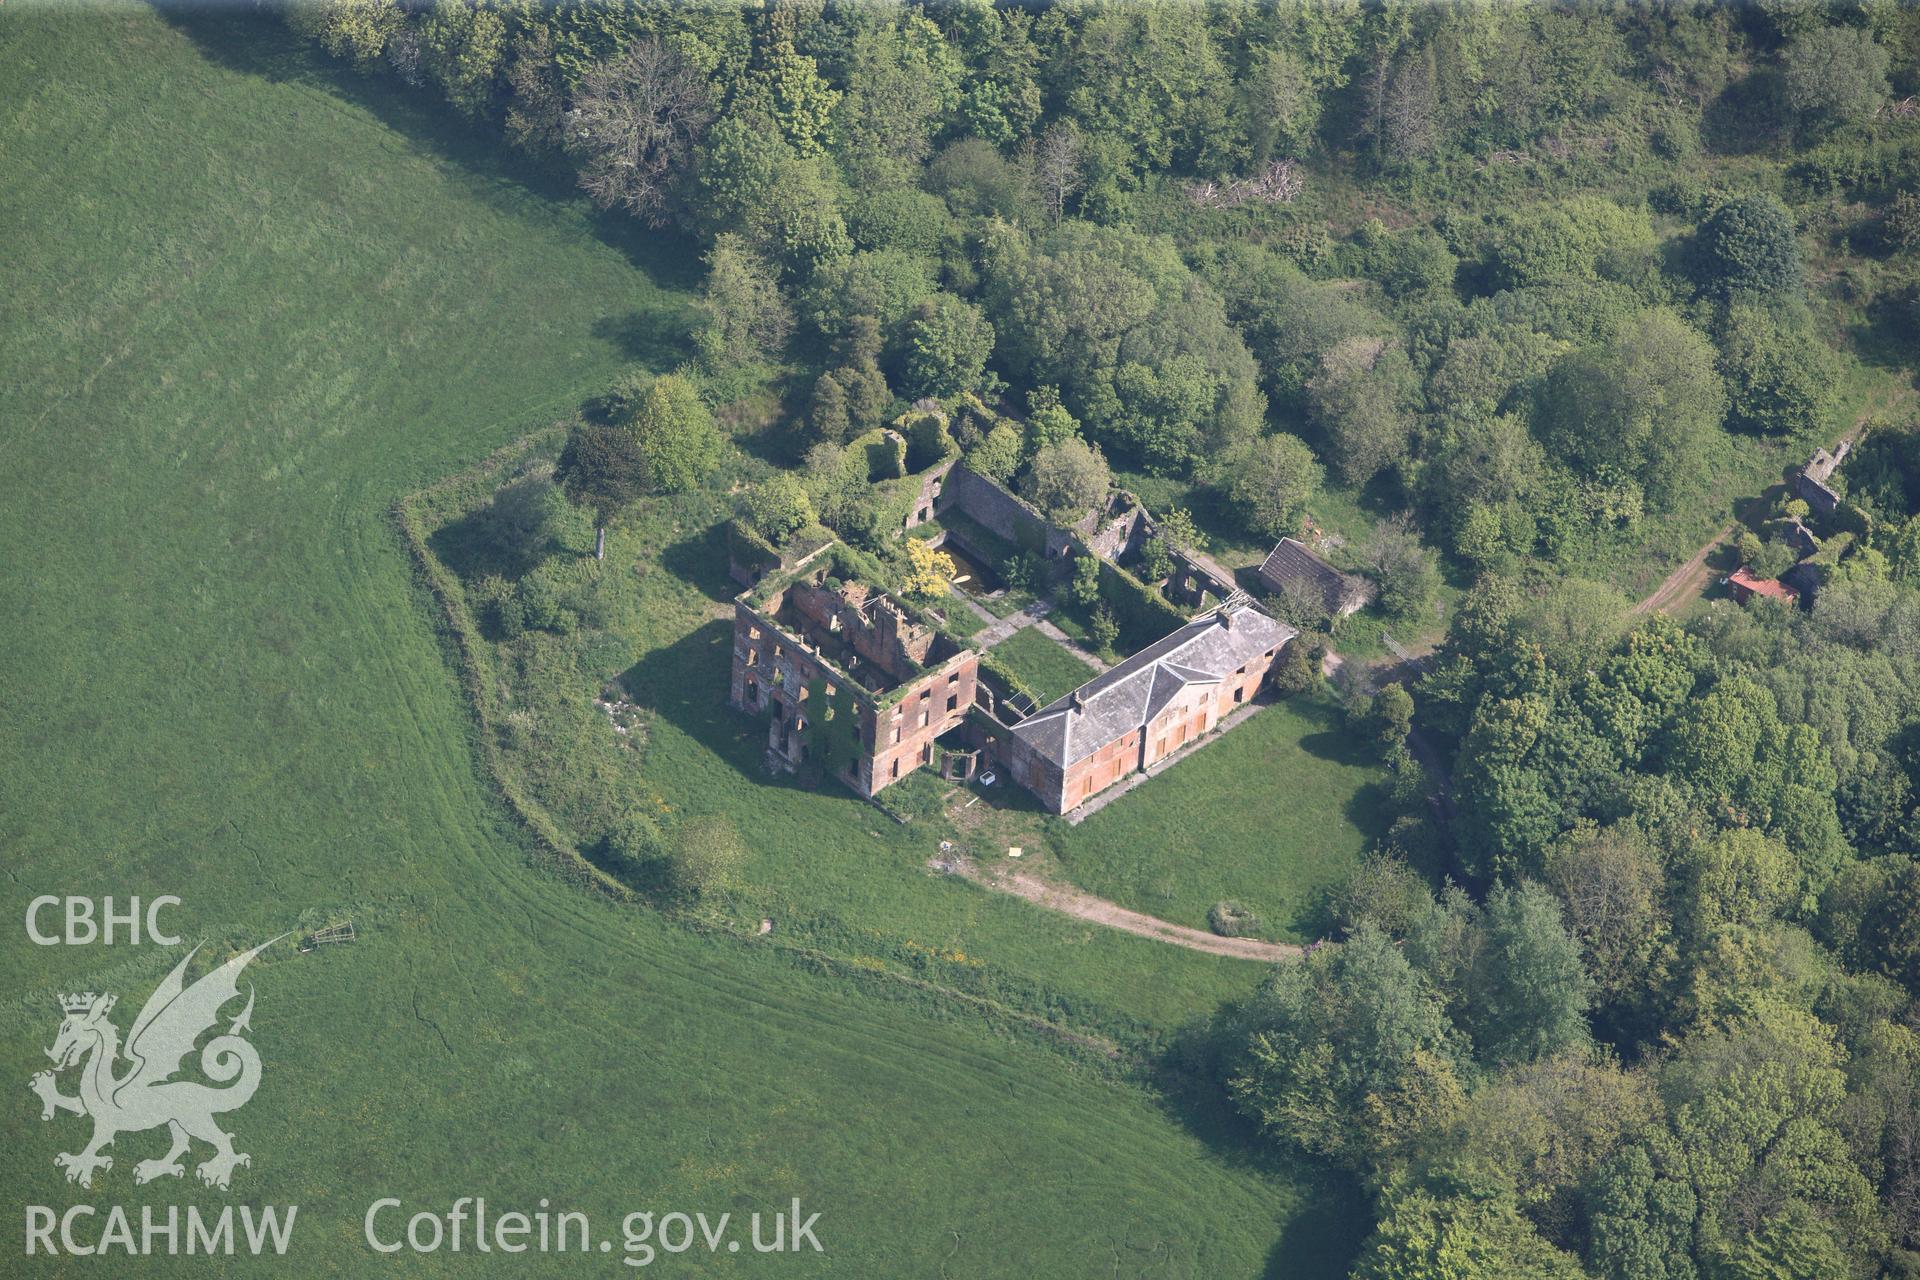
(900, 733)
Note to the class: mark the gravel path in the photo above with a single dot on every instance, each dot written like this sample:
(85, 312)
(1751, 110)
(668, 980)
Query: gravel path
(1085, 906)
(1000, 628)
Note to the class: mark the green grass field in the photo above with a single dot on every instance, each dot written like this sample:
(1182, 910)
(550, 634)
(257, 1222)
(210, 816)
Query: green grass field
(251, 303)
(1270, 815)
(1050, 669)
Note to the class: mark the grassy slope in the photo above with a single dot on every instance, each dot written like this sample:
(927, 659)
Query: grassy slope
(251, 303)
(1269, 815)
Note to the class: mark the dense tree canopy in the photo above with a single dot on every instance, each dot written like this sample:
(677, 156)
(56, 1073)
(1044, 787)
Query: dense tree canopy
(1640, 410)
(1067, 481)
(1141, 350)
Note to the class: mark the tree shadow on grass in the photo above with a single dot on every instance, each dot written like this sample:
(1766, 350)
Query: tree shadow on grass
(686, 684)
(468, 546)
(1327, 1222)
(1332, 739)
(785, 439)
(260, 44)
(1371, 810)
(656, 338)
(700, 559)
(1747, 116)
(1323, 1236)
(1890, 333)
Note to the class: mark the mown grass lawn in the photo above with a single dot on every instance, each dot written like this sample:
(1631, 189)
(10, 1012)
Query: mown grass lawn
(1050, 669)
(1271, 814)
(251, 302)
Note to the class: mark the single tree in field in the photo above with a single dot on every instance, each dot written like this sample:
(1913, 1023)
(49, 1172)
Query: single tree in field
(601, 468)
(675, 434)
(634, 123)
(461, 48)
(536, 120)
(1528, 997)
(1402, 566)
(1068, 480)
(747, 319)
(1406, 111)
(1102, 629)
(1901, 221)
(1269, 482)
(1049, 422)
(1179, 530)
(1363, 398)
(787, 87)
(516, 525)
(947, 347)
(1083, 588)
(1751, 244)
(828, 412)
(356, 29)
(1780, 376)
(1347, 1054)
(998, 454)
(1390, 717)
(1294, 672)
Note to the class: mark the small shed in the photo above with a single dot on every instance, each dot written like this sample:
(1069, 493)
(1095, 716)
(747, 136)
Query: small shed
(1744, 586)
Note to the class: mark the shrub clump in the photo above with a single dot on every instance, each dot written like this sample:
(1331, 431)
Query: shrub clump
(1230, 919)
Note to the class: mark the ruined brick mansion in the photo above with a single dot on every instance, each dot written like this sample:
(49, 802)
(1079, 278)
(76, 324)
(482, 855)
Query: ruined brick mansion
(811, 646)
(807, 645)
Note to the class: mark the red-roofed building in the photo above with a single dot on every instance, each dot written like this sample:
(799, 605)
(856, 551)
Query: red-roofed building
(1745, 586)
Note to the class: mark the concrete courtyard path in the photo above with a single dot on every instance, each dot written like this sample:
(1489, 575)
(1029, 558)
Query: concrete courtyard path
(998, 629)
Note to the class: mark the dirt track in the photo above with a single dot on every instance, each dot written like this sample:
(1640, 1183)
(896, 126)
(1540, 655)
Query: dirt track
(1073, 902)
(1689, 580)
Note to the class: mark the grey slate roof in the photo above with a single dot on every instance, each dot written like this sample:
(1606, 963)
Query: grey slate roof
(1131, 694)
(1291, 562)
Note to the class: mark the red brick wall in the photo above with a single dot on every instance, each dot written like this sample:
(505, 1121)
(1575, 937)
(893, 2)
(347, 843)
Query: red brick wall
(884, 760)
(1095, 773)
(1199, 712)
(926, 698)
